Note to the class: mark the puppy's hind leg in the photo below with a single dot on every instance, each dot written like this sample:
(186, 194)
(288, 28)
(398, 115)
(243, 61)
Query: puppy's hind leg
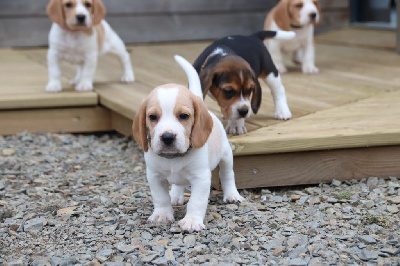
(176, 194)
(282, 110)
(118, 48)
(227, 177)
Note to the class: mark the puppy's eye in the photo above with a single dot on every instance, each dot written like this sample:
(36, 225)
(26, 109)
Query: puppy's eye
(229, 93)
(153, 118)
(68, 5)
(88, 5)
(299, 5)
(183, 116)
(249, 91)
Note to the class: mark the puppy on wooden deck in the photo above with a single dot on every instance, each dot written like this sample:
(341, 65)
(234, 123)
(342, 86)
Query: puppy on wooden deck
(79, 35)
(183, 142)
(229, 70)
(299, 16)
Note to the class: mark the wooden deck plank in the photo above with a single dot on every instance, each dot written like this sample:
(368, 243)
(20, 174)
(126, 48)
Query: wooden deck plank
(314, 167)
(85, 119)
(23, 85)
(370, 122)
(378, 39)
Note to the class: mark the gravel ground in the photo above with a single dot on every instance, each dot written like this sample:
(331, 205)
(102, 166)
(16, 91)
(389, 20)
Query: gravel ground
(83, 199)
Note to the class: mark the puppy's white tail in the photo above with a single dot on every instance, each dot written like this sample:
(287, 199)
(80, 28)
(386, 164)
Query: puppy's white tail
(191, 73)
(284, 35)
(278, 35)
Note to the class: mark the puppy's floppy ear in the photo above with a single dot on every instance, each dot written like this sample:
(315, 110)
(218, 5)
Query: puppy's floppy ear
(55, 12)
(282, 16)
(203, 123)
(206, 80)
(139, 127)
(319, 14)
(99, 11)
(256, 97)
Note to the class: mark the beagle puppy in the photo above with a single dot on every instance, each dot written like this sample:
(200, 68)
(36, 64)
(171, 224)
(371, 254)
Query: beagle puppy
(79, 35)
(229, 70)
(183, 142)
(299, 16)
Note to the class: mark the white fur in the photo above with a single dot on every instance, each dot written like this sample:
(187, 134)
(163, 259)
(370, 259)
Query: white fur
(193, 169)
(282, 110)
(82, 49)
(284, 35)
(301, 45)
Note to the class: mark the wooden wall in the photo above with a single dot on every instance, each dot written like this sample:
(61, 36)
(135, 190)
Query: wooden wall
(24, 22)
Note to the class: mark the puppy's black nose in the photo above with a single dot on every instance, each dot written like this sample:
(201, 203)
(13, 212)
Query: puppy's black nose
(81, 18)
(313, 16)
(243, 112)
(168, 138)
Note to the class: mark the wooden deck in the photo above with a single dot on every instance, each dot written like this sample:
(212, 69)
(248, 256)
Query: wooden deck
(345, 120)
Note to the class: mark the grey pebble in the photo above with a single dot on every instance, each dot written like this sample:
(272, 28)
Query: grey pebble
(367, 255)
(367, 239)
(297, 262)
(35, 225)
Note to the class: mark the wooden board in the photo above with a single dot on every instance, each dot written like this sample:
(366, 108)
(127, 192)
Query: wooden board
(314, 167)
(23, 84)
(361, 37)
(85, 119)
(365, 123)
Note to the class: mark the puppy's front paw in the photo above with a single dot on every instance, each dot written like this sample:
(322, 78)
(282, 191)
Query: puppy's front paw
(53, 86)
(128, 77)
(74, 81)
(84, 86)
(238, 130)
(192, 224)
(310, 69)
(162, 216)
(233, 196)
(282, 112)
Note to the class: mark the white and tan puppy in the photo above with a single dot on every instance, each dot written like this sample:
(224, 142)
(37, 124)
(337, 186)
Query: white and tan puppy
(183, 142)
(79, 35)
(299, 16)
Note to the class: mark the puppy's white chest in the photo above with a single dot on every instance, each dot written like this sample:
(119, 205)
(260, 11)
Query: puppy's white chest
(74, 47)
(297, 42)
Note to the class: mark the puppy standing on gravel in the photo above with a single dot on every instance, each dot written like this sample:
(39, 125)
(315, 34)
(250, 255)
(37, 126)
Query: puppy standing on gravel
(79, 35)
(183, 142)
(229, 70)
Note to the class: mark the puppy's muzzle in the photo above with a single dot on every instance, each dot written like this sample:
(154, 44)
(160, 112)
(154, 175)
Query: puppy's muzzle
(168, 138)
(80, 19)
(243, 112)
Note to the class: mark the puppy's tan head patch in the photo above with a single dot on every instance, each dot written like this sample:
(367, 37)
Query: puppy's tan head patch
(179, 113)
(76, 14)
(229, 80)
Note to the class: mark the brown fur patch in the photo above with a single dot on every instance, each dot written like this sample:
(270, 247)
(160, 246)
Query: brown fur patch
(100, 35)
(286, 13)
(197, 127)
(63, 12)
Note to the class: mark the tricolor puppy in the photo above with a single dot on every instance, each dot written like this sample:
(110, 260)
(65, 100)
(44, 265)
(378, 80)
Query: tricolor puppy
(79, 35)
(299, 16)
(229, 70)
(182, 143)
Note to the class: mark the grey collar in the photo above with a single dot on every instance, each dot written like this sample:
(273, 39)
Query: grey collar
(170, 155)
(296, 26)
